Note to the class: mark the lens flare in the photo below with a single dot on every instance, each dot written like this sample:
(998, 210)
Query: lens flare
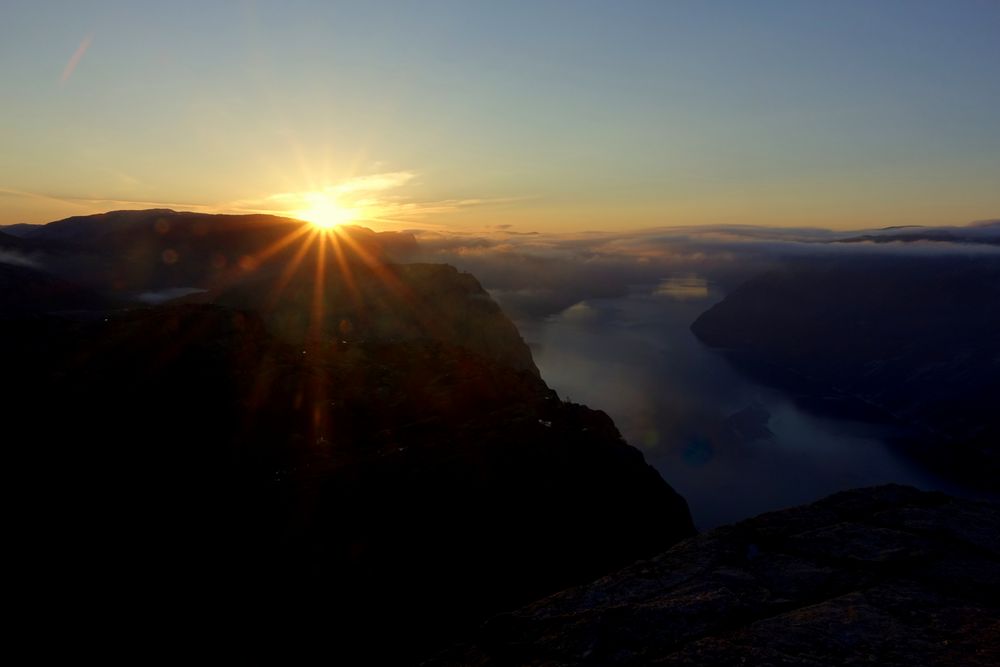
(324, 211)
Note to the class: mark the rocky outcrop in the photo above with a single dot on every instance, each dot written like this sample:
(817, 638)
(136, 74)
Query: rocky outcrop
(386, 304)
(321, 446)
(887, 575)
(347, 284)
(322, 496)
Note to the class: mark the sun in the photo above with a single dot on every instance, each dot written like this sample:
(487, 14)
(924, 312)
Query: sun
(324, 211)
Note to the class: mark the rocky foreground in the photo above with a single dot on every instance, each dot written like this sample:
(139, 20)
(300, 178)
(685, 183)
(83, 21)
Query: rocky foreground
(887, 575)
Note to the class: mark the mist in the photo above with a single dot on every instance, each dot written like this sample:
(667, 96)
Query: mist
(608, 319)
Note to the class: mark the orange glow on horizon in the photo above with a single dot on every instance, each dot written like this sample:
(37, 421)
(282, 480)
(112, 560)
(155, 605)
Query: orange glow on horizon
(324, 211)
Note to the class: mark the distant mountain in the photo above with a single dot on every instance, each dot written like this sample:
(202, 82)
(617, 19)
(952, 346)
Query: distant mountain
(90, 228)
(126, 251)
(25, 289)
(10, 241)
(914, 339)
(985, 232)
(197, 232)
(18, 229)
(887, 575)
(325, 459)
(345, 286)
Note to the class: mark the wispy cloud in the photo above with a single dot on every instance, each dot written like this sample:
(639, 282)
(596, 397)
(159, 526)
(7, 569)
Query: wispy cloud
(75, 59)
(374, 197)
(374, 182)
(360, 189)
(53, 205)
(381, 199)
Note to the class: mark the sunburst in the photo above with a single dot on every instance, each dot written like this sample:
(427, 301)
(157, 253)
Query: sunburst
(338, 256)
(324, 211)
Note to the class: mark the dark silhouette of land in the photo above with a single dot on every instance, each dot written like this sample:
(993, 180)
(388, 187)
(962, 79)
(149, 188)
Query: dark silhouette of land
(913, 339)
(304, 446)
(323, 461)
(886, 575)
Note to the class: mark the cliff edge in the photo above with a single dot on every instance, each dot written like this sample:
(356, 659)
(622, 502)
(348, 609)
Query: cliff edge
(886, 575)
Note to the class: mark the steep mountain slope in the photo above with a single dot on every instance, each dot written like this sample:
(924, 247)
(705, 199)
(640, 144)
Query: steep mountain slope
(886, 575)
(911, 339)
(321, 495)
(10, 241)
(388, 303)
(344, 284)
(25, 289)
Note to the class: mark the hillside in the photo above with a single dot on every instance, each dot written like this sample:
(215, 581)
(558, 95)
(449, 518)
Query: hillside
(912, 340)
(885, 575)
(393, 466)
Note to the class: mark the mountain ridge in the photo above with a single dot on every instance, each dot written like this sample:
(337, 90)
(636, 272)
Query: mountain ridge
(391, 462)
(909, 341)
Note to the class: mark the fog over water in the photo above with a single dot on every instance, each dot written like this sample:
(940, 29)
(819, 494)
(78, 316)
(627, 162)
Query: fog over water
(635, 357)
(608, 318)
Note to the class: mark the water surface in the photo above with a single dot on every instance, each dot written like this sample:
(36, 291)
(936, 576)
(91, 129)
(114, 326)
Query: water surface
(732, 447)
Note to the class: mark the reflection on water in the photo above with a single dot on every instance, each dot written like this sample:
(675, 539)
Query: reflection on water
(732, 447)
(683, 288)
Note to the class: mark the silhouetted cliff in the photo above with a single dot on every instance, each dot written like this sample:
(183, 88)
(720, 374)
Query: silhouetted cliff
(345, 285)
(387, 463)
(914, 340)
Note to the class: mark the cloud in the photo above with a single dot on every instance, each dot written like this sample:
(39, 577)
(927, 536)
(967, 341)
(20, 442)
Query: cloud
(157, 297)
(75, 59)
(374, 182)
(538, 275)
(347, 192)
(17, 259)
(41, 207)
(101, 204)
(373, 197)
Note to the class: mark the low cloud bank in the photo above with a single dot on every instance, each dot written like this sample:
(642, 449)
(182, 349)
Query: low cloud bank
(17, 259)
(162, 296)
(535, 275)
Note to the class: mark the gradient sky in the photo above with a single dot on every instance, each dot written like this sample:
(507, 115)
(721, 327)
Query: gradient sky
(542, 115)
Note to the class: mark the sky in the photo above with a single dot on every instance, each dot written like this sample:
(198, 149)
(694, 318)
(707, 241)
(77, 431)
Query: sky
(551, 116)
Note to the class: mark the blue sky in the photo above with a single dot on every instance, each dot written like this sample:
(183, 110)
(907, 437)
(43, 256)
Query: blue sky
(548, 115)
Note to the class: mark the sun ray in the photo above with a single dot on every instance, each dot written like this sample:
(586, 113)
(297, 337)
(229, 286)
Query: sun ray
(345, 271)
(234, 272)
(377, 266)
(319, 286)
(289, 272)
(407, 298)
(281, 243)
